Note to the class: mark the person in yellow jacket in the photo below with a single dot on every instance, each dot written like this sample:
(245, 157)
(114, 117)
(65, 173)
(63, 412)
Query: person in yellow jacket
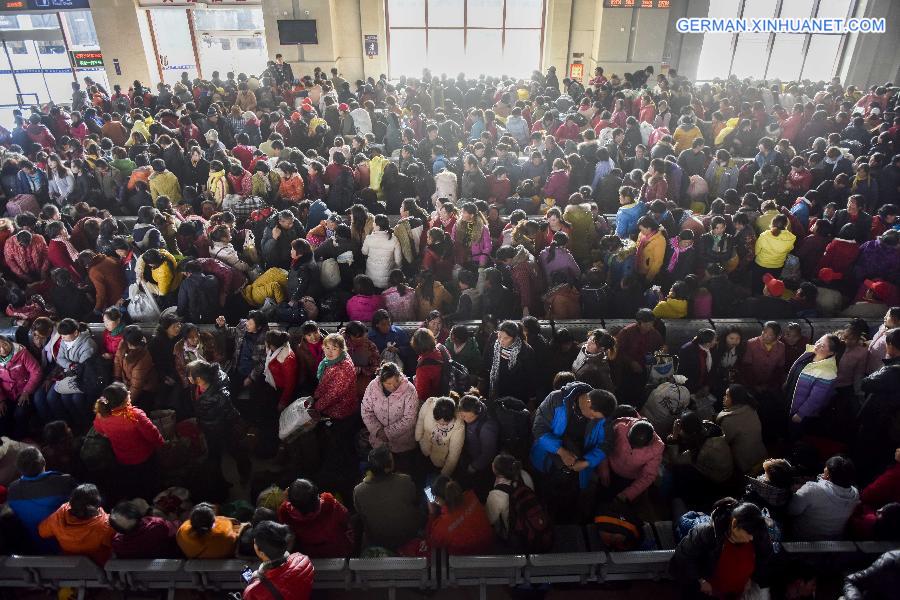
(685, 134)
(217, 184)
(163, 182)
(376, 170)
(772, 249)
(158, 271)
(675, 305)
(651, 248)
(271, 284)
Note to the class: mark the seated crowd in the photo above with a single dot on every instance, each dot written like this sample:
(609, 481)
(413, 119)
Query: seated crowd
(264, 200)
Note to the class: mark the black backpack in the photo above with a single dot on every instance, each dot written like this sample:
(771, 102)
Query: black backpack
(93, 375)
(530, 529)
(514, 421)
(454, 376)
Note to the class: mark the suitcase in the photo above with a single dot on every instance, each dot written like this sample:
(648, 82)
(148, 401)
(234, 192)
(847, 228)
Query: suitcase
(22, 203)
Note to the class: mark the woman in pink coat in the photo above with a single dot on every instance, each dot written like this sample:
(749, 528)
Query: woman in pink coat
(390, 408)
(633, 464)
(20, 375)
(365, 301)
(471, 236)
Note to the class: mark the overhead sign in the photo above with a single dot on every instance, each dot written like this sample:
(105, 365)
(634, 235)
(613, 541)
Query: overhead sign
(637, 3)
(189, 3)
(37, 5)
(87, 59)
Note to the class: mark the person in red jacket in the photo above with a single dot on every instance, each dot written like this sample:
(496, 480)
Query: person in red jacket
(457, 521)
(841, 252)
(60, 251)
(134, 440)
(281, 367)
(321, 524)
(430, 364)
(291, 575)
(335, 400)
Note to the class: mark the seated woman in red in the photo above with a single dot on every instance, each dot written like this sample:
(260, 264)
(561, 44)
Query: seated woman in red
(457, 521)
(134, 440)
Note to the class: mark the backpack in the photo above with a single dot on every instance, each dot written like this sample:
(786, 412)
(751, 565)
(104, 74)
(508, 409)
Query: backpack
(514, 421)
(93, 375)
(454, 376)
(530, 529)
(619, 532)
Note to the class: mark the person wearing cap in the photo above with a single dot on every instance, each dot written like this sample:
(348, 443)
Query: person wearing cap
(771, 304)
(222, 126)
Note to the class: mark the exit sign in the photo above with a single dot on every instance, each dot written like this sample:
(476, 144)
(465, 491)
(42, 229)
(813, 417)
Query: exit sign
(87, 59)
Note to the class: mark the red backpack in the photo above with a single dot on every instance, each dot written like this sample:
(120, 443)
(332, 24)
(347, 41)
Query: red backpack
(530, 529)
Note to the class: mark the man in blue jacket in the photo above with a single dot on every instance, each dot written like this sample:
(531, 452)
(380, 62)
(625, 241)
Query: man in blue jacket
(36, 495)
(570, 431)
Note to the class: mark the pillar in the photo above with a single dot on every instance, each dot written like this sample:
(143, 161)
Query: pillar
(123, 35)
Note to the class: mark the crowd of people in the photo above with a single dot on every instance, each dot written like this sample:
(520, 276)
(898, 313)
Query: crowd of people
(216, 209)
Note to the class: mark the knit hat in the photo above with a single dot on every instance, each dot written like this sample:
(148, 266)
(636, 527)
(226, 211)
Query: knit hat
(295, 116)
(828, 275)
(212, 112)
(775, 287)
(249, 115)
(882, 290)
(343, 107)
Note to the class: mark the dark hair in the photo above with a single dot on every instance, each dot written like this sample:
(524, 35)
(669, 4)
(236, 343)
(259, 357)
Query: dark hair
(774, 326)
(507, 466)
(381, 461)
(271, 538)
(388, 370)
(423, 341)
(114, 395)
(125, 512)
(133, 335)
(510, 328)
(304, 496)
(472, 404)
(444, 409)
(30, 462)
(203, 517)
(363, 285)
(841, 470)
(603, 401)
(705, 336)
(448, 490)
(84, 502)
(740, 396)
(640, 434)
(355, 329)
(275, 338)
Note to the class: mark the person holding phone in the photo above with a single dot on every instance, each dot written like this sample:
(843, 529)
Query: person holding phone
(457, 521)
(282, 575)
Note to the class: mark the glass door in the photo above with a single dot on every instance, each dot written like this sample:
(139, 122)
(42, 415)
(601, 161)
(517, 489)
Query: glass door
(172, 36)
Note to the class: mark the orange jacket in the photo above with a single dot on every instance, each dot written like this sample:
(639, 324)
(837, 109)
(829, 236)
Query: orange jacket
(86, 537)
(291, 189)
(218, 543)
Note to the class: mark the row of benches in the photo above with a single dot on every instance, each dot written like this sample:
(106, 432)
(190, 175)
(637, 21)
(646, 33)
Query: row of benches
(678, 331)
(581, 559)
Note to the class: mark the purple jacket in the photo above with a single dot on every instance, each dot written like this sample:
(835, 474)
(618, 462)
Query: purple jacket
(878, 260)
(562, 261)
(481, 249)
(815, 385)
